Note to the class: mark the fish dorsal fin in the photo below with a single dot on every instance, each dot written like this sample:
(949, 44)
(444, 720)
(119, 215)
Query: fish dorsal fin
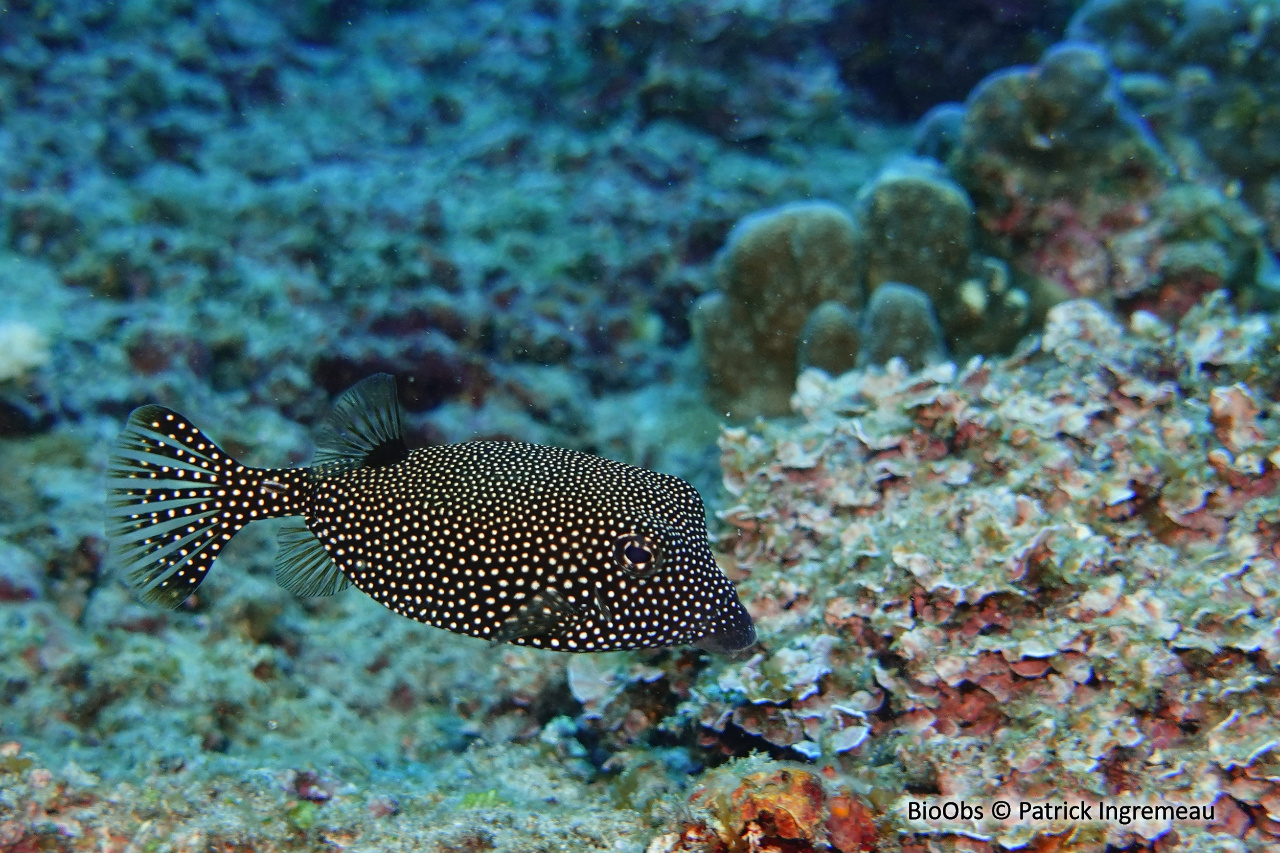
(303, 566)
(364, 430)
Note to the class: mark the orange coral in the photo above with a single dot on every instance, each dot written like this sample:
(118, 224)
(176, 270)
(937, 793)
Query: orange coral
(785, 805)
(786, 810)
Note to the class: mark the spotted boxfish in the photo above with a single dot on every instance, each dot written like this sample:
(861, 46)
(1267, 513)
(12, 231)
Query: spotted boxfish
(511, 542)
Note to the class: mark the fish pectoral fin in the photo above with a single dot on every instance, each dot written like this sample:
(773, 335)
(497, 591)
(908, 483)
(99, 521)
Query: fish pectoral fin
(546, 611)
(303, 566)
(602, 608)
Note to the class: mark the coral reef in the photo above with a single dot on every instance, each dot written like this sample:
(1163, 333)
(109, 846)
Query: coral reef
(1061, 127)
(791, 281)
(1054, 187)
(229, 210)
(1051, 577)
(1072, 188)
(776, 268)
(899, 323)
(1204, 74)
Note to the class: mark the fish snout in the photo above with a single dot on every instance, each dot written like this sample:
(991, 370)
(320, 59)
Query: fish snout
(734, 634)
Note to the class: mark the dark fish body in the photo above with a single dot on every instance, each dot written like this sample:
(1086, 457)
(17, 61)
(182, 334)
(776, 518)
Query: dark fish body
(506, 541)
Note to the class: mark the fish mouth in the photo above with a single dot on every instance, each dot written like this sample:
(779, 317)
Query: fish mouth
(734, 637)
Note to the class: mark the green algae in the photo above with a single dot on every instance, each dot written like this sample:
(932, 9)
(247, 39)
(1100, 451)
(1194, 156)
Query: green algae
(483, 799)
(15, 764)
(302, 815)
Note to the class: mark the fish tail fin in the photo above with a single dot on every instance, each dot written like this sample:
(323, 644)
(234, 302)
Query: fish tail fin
(174, 499)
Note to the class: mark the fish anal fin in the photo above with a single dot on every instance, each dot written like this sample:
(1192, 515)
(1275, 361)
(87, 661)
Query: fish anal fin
(364, 429)
(303, 566)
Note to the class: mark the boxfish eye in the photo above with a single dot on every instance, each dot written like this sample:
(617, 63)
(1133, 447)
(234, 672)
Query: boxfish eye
(636, 553)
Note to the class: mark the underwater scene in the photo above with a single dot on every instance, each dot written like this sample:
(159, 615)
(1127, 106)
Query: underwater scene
(665, 426)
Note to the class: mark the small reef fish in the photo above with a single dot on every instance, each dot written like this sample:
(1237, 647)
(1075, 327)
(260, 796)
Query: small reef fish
(507, 541)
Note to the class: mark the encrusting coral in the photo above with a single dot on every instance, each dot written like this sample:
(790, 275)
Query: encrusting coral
(1052, 576)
